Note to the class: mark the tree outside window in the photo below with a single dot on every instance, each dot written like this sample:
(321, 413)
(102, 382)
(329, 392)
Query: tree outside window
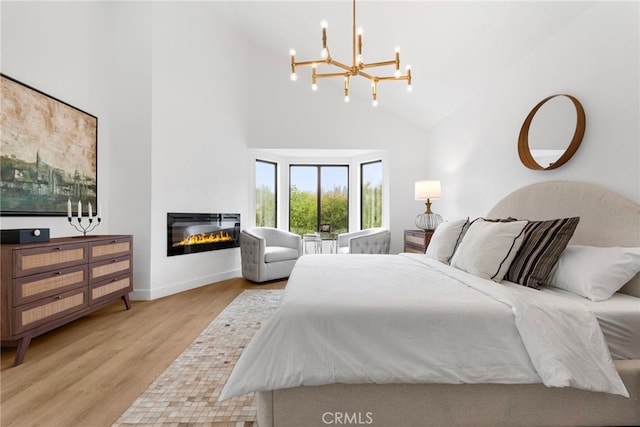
(266, 193)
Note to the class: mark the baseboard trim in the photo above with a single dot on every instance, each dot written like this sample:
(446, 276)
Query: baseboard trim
(151, 294)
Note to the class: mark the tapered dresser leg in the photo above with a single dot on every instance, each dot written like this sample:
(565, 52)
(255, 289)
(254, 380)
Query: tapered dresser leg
(21, 350)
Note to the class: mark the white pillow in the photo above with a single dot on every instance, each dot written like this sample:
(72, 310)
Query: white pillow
(445, 239)
(488, 248)
(594, 272)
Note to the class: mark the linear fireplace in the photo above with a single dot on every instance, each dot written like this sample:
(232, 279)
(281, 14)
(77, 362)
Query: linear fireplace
(193, 232)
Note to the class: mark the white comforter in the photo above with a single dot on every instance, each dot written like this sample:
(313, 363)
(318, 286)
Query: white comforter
(409, 319)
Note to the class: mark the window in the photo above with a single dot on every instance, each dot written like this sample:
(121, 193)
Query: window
(371, 194)
(265, 193)
(318, 194)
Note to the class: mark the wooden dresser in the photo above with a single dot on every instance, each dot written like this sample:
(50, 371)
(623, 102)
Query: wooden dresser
(416, 241)
(49, 284)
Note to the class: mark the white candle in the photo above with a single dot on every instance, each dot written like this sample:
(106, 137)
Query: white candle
(90, 211)
(79, 209)
(69, 215)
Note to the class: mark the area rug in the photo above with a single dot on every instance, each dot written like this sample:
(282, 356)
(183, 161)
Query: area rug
(186, 394)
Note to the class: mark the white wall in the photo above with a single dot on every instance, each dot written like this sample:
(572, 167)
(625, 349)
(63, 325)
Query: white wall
(200, 122)
(62, 49)
(595, 58)
(131, 142)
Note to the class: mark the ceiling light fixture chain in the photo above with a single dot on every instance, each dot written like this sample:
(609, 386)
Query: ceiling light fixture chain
(357, 66)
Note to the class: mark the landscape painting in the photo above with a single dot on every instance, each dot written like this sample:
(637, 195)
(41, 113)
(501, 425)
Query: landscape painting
(48, 153)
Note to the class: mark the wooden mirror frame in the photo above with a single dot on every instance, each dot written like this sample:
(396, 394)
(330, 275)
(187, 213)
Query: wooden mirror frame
(523, 140)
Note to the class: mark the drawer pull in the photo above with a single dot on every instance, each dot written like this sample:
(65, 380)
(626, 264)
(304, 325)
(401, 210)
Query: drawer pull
(57, 248)
(59, 297)
(114, 241)
(58, 273)
(114, 260)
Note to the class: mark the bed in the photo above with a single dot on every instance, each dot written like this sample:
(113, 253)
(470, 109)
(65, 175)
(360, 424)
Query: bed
(496, 371)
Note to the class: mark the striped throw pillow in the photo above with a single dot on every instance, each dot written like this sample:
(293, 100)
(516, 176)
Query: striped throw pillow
(543, 243)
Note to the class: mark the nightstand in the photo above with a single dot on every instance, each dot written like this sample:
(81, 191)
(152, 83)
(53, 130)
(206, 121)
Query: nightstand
(416, 241)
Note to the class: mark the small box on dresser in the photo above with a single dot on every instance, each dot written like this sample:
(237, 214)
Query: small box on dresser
(417, 241)
(46, 285)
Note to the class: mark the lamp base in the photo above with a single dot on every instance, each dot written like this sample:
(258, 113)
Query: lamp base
(428, 221)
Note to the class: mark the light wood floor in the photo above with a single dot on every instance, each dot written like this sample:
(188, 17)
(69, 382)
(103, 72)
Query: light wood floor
(89, 372)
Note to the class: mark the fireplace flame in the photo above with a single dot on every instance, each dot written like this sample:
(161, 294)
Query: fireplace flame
(204, 238)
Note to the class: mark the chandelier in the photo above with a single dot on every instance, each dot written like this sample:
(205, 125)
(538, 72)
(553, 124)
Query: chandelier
(357, 67)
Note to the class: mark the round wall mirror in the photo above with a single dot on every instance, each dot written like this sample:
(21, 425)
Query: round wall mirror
(552, 132)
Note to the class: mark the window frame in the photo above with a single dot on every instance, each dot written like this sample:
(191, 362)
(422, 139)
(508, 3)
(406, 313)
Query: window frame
(275, 188)
(319, 167)
(361, 184)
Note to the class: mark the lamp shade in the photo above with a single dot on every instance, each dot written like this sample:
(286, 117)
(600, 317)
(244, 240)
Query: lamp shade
(428, 189)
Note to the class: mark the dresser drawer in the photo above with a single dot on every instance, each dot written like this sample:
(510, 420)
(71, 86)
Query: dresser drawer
(110, 248)
(110, 268)
(48, 309)
(31, 288)
(46, 258)
(106, 289)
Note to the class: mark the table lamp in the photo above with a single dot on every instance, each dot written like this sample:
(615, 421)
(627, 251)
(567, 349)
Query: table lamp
(427, 190)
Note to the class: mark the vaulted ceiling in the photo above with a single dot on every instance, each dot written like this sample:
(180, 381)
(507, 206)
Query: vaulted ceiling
(455, 48)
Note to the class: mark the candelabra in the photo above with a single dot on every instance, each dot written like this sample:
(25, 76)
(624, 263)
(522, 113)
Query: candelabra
(81, 227)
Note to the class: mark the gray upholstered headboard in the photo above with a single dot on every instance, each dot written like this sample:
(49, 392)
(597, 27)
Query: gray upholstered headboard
(606, 218)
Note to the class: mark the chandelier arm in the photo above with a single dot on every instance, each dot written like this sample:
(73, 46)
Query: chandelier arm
(388, 78)
(367, 75)
(311, 63)
(353, 41)
(341, 65)
(377, 64)
(325, 75)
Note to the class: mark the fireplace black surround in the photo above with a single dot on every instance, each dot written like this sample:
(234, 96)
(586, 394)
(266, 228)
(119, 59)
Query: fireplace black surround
(199, 232)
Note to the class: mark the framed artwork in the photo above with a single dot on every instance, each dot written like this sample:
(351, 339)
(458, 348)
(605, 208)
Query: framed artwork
(48, 153)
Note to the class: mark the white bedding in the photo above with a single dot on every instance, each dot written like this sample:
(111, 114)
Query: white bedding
(619, 319)
(409, 319)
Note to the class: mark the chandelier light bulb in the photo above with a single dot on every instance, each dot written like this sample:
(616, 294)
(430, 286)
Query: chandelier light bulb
(346, 98)
(314, 87)
(325, 53)
(324, 24)
(397, 49)
(294, 77)
(397, 73)
(375, 103)
(360, 31)
(292, 52)
(409, 88)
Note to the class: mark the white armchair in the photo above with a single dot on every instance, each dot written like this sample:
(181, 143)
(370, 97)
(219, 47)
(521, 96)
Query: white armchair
(268, 253)
(368, 241)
